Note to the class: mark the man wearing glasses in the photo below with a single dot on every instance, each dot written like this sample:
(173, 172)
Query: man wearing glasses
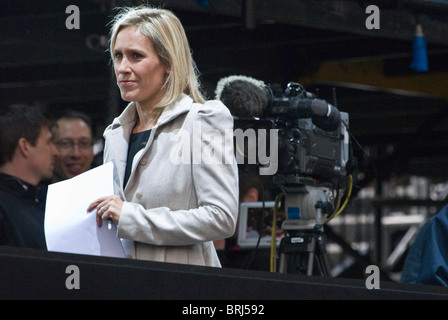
(73, 138)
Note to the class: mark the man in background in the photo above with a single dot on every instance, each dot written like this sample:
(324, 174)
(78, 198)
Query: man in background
(27, 157)
(73, 136)
(229, 253)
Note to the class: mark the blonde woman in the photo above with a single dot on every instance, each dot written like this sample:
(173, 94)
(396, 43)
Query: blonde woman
(171, 200)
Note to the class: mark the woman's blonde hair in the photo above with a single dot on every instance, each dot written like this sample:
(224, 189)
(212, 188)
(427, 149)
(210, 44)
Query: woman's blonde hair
(168, 37)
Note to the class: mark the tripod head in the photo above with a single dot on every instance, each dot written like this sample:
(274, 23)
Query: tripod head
(306, 204)
(306, 208)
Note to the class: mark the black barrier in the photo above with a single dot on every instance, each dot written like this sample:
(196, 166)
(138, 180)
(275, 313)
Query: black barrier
(34, 274)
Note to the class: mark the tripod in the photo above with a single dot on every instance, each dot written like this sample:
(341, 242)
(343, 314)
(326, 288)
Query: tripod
(300, 249)
(305, 208)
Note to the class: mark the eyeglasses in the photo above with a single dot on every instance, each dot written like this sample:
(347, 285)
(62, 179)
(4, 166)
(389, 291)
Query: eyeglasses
(70, 144)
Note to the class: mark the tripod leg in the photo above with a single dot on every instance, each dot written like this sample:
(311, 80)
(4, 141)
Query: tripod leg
(324, 264)
(309, 270)
(282, 263)
(322, 257)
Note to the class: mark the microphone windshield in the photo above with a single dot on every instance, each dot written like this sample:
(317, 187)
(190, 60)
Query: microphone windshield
(245, 97)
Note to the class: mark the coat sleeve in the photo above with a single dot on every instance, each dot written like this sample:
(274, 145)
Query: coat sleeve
(215, 181)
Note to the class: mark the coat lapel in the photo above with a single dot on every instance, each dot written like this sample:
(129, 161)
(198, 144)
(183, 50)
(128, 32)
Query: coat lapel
(117, 140)
(118, 133)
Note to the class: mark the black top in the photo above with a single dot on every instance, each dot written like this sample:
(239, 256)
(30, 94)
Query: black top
(22, 213)
(137, 141)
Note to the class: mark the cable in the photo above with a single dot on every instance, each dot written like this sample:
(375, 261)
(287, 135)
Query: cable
(349, 193)
(273, 261)
(254, 251)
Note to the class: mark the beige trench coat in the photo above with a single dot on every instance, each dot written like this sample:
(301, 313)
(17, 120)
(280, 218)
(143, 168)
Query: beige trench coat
(183, 189)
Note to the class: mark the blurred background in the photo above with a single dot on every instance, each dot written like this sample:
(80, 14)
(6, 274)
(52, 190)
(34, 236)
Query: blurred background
(398, 114)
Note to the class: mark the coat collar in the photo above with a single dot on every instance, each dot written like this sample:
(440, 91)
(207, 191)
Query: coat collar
(182, 106)
(119, 132)
(128, 117)
(21, 188)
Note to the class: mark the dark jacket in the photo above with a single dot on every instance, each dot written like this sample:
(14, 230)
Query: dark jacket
(427, 260)
(22, 211)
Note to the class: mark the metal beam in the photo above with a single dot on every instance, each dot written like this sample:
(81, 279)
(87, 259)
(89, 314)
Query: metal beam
(339, 15)
(369, 74)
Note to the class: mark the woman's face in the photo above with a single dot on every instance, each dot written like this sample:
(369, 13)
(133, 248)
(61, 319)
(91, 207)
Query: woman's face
(139, 71)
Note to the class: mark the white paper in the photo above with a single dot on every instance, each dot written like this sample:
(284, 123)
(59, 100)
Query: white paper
(69, 227)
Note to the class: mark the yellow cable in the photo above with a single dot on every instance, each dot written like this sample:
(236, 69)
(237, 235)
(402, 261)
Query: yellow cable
(349, 193)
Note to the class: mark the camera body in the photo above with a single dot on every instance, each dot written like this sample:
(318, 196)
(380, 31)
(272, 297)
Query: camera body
(311, 150)
(312, 136)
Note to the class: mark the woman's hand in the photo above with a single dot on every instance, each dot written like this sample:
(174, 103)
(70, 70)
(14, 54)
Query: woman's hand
(108, 207)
